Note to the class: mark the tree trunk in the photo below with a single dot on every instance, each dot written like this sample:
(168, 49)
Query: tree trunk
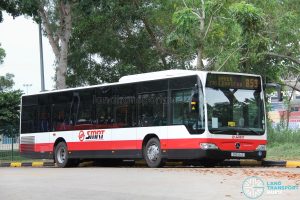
(61, 69)
(200, 65)
(289, 104)
(59, 38)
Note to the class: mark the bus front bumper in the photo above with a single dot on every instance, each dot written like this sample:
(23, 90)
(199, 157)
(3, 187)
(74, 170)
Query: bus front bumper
(216, 154)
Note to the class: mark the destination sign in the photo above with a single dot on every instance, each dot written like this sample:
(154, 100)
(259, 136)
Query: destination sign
(233, 81)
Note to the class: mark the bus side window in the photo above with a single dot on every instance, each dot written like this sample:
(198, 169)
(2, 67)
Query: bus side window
(29, 119)
(44, 122)
(152, 109)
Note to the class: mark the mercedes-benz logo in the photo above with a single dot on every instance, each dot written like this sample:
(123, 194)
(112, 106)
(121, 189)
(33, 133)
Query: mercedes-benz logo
(253, 187)
(237, 145)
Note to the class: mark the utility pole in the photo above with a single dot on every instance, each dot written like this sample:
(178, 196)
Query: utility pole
(41, 59)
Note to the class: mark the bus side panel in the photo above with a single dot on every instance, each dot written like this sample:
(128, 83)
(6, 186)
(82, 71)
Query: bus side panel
(35, 145)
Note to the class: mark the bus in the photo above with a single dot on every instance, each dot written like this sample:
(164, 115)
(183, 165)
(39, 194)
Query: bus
(158, 116)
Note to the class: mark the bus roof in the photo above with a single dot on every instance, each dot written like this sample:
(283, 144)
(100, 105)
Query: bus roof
(173, 73)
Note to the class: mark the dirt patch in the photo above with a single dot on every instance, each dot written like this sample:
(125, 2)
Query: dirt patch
(276, 173)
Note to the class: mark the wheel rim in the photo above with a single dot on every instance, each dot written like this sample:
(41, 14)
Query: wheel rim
(153, 152)
(61, 155)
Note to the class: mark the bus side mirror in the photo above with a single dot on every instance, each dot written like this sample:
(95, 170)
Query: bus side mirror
(278, 89)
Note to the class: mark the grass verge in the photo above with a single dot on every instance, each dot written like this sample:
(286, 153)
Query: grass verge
(283, 145)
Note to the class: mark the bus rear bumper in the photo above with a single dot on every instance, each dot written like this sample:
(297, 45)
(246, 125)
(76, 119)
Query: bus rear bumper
(198, 154)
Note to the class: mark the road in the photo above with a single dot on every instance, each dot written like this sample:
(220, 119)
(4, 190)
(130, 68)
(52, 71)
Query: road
(94, 183)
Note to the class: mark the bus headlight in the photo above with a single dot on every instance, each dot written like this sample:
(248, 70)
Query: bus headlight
(261, 147)
(206, 146)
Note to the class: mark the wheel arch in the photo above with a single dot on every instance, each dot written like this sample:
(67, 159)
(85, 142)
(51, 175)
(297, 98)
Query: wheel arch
(148, 137)
(57, 141)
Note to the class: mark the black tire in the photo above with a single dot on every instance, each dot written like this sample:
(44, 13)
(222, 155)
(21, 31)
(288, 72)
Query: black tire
(152, 153)
(61, 156)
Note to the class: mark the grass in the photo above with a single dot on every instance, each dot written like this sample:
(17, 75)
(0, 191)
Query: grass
(6, 156)
(283, 144)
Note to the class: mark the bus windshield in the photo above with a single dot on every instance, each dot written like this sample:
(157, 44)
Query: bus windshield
(234, 104)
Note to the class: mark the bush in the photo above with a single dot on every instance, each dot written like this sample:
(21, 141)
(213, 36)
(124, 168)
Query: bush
(283, 144)
(281, 136)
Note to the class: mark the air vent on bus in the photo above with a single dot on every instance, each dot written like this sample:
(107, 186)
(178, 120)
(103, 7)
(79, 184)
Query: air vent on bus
(27, 144)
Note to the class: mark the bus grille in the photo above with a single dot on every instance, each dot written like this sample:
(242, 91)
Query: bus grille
(27, 144)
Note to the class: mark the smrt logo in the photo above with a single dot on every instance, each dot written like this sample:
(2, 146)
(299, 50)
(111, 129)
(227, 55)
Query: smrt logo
(91, 135)
(81, 136)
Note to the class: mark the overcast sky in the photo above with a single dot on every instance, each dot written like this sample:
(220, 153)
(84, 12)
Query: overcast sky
(20, 39)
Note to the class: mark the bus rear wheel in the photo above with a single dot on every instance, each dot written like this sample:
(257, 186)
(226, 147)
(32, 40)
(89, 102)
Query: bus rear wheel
(152, 153)
(61, 156)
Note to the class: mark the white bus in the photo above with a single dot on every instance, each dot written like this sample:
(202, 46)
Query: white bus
(158, 116)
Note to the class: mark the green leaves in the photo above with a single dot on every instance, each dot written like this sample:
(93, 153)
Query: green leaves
(185, 21)
(248, 16)
(9, 111)
(115, 38)
(2, 54)
(6, 82)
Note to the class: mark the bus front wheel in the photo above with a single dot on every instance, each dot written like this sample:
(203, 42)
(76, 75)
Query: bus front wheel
(61, 155)
(152, 153)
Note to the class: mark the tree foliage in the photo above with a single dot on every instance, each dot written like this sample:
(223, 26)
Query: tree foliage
(2, 55)
(6, 82)
(56, 20)
(114, 38)
(9, 112)
(109, 39)
(19, 7)
(9, 106)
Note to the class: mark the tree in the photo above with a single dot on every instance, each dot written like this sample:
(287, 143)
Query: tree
(57, 23)
(9, 112)
(55, 16)
(9, 106)
(115, 38)
(284, 34)
(239, 36)
(207, 30)
(6, 82)
(10, 7)
(2, 55)
(192, 27)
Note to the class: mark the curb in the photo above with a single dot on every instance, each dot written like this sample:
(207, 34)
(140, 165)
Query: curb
(264, 163)
(294, 164)
(27, 164)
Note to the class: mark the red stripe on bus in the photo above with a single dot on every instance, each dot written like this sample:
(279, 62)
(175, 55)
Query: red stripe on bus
(105, 145)
(193, 143)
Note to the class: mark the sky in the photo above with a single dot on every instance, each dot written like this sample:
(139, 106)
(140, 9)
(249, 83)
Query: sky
(19, 38)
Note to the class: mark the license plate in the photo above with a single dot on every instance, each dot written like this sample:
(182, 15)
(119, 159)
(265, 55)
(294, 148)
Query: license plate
(236, 154)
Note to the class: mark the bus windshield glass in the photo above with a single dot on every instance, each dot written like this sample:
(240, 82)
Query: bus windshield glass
(234, 104)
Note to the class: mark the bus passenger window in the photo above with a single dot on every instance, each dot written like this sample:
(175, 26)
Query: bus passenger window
(152, 109)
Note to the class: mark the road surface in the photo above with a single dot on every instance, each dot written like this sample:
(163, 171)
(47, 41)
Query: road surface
(94, 183)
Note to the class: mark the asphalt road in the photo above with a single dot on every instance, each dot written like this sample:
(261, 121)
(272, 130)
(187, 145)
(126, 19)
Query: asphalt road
(87, 183)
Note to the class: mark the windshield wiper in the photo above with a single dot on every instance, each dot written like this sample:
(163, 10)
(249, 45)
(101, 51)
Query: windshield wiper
(221, 131)
(253, 131)
(235, 131)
